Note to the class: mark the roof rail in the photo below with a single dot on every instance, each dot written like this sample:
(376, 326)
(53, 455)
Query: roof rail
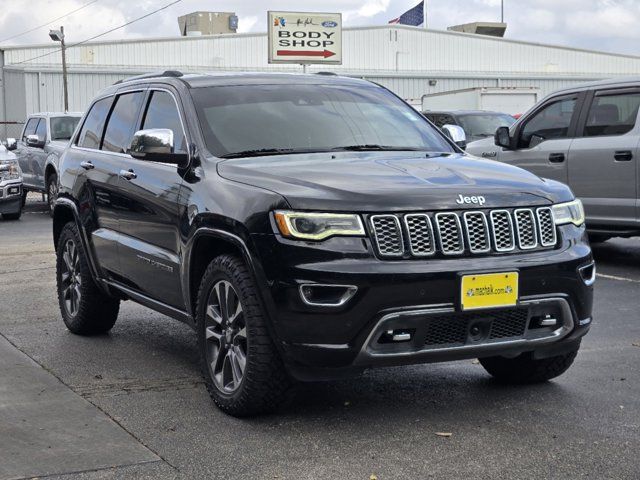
(327, 73)
(166, 73)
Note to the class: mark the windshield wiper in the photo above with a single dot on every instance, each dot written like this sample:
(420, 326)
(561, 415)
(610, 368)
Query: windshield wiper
(376, 147)
(260, 152)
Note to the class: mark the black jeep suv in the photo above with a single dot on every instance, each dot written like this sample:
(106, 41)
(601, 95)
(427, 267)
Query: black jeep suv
(309, 227)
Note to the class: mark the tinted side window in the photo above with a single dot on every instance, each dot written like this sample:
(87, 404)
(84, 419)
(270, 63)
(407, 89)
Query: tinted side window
(162, 112)
(91, 132)
(122, 122)
(551, 122)
(41, 130)
(30, 129)
(612, 114)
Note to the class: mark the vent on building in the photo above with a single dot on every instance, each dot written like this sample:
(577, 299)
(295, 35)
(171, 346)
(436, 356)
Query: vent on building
(492, 29)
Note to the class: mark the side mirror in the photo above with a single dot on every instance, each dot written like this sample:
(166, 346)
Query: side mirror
(156, 145)
(456, 133)
(12, 144)
(35, 141)
(502, 138)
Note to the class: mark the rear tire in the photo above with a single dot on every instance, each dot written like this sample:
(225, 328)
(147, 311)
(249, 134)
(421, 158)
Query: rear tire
(524, 369)
(52, 191)
(243, 372)
(86, 310)
(12, 216)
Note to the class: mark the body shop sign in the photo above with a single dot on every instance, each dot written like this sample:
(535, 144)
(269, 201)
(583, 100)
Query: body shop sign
(305, 37)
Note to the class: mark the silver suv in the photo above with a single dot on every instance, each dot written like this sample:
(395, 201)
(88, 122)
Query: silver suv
(587, 137)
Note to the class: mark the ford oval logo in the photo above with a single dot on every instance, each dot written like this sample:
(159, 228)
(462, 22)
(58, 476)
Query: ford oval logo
(330, 24)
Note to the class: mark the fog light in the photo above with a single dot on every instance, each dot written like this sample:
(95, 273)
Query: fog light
(320, 295)
(588, 274)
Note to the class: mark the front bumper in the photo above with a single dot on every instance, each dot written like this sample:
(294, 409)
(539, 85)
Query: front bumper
(319, 341)
(10, 196)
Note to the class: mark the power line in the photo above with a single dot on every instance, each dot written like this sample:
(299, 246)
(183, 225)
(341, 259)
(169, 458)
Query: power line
(49, 22)
(100, 34)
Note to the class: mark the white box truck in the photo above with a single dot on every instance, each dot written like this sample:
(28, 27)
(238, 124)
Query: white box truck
(496, 99)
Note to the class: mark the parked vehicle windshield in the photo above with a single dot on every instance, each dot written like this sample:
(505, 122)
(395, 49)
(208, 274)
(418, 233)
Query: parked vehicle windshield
(62, 128)
(481, 125)
(256, 120)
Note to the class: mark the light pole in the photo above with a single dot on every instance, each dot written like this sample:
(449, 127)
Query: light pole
(58, 36)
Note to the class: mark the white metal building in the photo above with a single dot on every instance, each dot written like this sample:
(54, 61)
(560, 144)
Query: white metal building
(410, 61)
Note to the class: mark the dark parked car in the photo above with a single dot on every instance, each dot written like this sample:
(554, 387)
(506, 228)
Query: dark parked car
(589, 138)
(477, 124)
(309, 227)
(44, 137)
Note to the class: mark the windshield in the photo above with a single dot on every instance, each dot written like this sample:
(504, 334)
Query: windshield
(484, 125)
(263, 119)
(62, 128)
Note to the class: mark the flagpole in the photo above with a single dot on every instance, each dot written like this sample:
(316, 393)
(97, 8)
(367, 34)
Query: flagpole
(424, 13)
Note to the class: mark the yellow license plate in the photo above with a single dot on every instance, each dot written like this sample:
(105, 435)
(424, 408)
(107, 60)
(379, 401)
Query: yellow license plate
(489, 290)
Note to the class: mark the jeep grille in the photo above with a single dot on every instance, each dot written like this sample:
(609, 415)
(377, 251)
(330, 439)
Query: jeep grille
(455, 233)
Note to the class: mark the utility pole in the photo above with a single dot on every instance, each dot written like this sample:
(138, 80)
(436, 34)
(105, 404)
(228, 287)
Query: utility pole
(58, 36)
(502, 11)
(424, 13)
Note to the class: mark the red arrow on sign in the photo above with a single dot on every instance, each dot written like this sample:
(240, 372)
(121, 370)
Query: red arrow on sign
(305, 53)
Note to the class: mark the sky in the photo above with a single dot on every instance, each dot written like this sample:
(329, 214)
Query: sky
(608, 25)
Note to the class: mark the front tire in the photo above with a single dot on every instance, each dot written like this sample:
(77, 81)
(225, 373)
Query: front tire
(243, 372)
(524, 369)
(86, 310)
(52, 191)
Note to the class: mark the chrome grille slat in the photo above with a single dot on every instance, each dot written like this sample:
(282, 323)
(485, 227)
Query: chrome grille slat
(526, 228)
(388, 235)
(450, 233)
(502, 231)
(546, 227)
(477, 231)
(420, 234)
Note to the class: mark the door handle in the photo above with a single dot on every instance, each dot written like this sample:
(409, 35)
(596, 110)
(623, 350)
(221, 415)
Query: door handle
(128, 174)
(87, 165)
(556, 157)
(623, 155)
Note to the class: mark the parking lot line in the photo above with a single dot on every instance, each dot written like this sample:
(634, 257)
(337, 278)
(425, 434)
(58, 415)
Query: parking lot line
(615, 277)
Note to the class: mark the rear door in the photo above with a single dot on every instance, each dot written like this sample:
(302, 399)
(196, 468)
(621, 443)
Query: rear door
(149, 221)
(603, 161)
(544, 137)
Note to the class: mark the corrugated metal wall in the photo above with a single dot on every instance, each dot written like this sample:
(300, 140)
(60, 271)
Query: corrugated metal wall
(404, 59)
(382, 49)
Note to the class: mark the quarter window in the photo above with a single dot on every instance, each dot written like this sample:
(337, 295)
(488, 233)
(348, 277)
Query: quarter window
(162, 112)
(122, 122)
(612, 114)
(552, 122)
(91, 132)
(30, 129)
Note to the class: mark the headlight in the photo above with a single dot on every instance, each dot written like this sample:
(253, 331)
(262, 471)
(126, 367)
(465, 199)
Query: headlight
(570, 212)
(318, 226)
(10, 170)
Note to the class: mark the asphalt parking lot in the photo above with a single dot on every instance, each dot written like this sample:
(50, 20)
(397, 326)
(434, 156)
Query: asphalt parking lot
(131, 404)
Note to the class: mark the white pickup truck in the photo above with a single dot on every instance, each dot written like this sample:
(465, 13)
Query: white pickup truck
(44, 137)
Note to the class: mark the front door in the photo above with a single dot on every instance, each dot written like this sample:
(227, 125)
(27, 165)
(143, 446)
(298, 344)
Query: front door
(24, 152)
(149, 236)
(544, 139)
(603, 161)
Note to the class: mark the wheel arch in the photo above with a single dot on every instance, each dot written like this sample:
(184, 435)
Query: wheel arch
(205, 245)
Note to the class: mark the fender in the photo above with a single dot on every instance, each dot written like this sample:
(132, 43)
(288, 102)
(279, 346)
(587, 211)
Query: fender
(66, 203)
(252, 262)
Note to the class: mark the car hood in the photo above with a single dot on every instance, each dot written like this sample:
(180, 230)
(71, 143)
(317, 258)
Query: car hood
(391, 181)
(58, 145)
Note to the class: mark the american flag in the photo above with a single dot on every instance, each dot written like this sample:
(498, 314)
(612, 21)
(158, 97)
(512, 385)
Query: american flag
(414, 17)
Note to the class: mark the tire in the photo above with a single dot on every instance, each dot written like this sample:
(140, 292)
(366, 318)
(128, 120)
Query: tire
(52, 191)
(12, 216)
(85, 309)
(232, 332)
(24, 197)
(524, 369)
